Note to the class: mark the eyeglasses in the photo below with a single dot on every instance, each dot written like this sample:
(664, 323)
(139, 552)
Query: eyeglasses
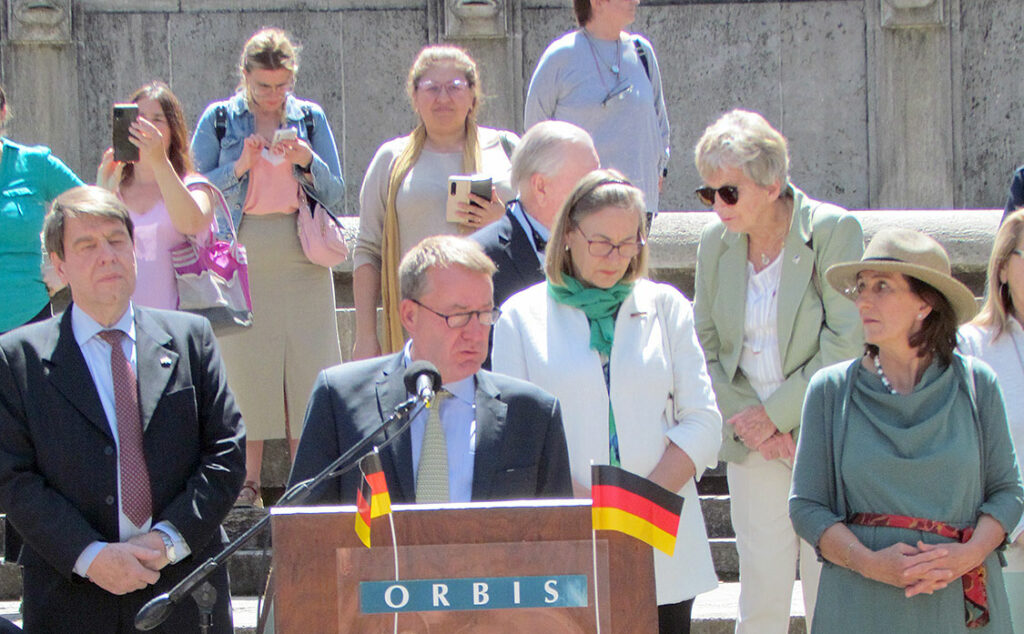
(730, 195)
(454, 88)
(604, 248)
(620, 90)
(460, 320)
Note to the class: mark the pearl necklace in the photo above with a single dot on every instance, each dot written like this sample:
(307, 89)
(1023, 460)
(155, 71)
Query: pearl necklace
(881, 375)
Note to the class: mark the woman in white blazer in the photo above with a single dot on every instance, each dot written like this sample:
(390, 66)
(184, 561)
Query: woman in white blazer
(596, 328)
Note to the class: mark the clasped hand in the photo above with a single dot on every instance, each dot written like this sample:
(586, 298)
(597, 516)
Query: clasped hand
(757, 431)
(920, 569)
(124, 567)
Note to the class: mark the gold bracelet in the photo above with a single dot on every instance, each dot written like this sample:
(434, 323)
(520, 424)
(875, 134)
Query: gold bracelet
(848, 560)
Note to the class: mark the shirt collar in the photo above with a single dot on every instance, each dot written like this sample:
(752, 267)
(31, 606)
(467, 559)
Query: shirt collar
(292, 109)
(529, 223)
(464, 390)
(85, 327)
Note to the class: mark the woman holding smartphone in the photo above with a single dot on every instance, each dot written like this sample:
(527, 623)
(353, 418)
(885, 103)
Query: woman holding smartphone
(268, 151)
(404, 193)
(167, 200)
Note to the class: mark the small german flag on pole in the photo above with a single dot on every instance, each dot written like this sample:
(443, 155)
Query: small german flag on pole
(372, 498)
(625, 502)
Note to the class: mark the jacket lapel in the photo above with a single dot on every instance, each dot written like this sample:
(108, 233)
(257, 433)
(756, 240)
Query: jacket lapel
(523, 257)
(490, 424)
(797, 268)
(67, 371)
(155, 363)
(391, 392)
(731, 298)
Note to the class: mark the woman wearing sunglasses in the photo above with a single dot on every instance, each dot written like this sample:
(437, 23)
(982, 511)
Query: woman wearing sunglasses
(767, 321)
(607, 81)
(406, 186)
(621, 355)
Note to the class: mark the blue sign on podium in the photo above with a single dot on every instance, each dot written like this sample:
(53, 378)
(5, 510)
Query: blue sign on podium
(475, 593)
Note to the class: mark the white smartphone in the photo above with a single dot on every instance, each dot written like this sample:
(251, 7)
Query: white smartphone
(284, 134)
(459, 188)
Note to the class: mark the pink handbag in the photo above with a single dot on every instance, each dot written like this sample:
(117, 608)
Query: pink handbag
(212, 272)
(320, 233)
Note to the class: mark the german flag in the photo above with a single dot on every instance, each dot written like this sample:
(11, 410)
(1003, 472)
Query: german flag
(372, 498)
(625, 502)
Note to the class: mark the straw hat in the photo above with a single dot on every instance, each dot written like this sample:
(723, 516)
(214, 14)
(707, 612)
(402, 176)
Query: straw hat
(913, 254)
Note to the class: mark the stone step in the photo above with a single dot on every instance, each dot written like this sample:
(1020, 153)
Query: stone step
(713, 612)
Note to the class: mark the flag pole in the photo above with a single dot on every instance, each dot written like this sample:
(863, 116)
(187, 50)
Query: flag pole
(593, 550)
(394, 543)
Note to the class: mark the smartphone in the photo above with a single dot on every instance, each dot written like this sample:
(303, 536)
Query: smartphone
(459, 188)
(124, 115)
(284, 134)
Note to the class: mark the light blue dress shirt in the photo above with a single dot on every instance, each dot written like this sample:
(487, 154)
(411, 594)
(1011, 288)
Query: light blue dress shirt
(97, 357)
(458, 419)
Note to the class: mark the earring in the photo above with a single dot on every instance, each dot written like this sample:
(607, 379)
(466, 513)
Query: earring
(920, 316)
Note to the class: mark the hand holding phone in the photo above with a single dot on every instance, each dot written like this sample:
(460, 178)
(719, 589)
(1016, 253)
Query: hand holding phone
(123, 116)
(281, 135)
(459, 189)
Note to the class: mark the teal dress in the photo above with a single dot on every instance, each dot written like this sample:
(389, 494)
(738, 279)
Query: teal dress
(925, 454)
(30, 178)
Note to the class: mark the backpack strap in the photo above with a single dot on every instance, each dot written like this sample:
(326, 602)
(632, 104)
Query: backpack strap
(307, 120)
(220, 122)
(642, 54)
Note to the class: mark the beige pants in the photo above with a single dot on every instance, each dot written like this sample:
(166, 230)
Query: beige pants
(768, 546)
(294, 333)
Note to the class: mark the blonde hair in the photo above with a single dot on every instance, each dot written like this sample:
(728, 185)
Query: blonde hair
(427, 57)
(744, 140)
(995, 313)
(597, 190)
(270, 48)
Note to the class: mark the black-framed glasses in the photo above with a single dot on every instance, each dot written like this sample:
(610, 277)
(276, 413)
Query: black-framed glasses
(730, 195)
(619, 91)
(604, 248)
(460, 320)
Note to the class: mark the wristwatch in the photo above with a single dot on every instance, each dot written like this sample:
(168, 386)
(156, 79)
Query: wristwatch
(168, 546)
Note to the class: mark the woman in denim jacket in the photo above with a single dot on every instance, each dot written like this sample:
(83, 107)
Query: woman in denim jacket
(266, 175)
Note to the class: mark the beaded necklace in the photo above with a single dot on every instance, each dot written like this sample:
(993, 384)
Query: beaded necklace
(881, 375)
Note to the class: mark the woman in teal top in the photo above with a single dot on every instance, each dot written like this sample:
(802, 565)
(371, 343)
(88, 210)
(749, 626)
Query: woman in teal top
(30, 177)
(905, 478)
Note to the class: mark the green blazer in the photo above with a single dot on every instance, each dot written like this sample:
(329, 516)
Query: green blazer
(816, 325)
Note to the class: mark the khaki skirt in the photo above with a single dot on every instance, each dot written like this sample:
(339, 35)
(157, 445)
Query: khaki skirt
(272, 366)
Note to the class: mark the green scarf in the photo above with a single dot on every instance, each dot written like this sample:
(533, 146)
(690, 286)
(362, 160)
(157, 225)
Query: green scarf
(600, 305)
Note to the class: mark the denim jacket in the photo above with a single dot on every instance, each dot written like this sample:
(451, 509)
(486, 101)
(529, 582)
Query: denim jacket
(216, 160)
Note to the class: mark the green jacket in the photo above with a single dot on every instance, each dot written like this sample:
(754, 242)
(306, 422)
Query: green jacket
(817, 326)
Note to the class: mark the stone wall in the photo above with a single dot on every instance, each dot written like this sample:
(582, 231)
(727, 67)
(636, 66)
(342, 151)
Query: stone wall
(886, 103)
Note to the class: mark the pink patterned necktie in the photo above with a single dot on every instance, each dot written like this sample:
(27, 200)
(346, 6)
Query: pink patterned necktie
(136, 499)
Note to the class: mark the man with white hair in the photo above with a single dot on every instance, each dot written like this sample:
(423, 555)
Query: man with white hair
(548, 162)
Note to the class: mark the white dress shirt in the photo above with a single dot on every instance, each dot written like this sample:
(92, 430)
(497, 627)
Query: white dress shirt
(761, 360)
(97, 357)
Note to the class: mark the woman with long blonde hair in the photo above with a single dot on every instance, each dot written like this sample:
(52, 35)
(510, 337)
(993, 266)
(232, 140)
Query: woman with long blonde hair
(405, 189)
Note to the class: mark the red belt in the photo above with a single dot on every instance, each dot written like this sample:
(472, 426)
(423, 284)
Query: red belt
(974, 580)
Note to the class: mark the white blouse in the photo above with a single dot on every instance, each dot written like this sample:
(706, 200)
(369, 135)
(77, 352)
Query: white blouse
(1006, 356)
(761, 360)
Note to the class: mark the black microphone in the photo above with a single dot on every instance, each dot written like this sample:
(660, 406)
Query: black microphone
(422, 379)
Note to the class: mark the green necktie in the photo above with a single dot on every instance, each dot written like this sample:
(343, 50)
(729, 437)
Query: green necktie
(432, 473)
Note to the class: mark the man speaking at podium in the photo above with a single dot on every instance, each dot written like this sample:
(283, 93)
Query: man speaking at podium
(486, 436)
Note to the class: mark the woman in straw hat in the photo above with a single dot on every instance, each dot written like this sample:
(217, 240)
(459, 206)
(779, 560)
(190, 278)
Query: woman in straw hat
(905, 479)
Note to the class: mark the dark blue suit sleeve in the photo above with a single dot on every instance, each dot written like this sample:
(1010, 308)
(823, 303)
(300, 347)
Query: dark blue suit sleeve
(555, 479)
(1016, 195)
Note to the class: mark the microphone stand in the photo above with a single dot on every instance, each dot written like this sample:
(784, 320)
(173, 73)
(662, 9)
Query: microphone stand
(159, 608)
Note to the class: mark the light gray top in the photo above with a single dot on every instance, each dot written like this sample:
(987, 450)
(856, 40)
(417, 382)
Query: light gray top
(421, 201)
(630, 132)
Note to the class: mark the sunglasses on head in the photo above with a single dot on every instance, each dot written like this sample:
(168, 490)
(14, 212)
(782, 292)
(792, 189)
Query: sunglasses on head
(730, 195)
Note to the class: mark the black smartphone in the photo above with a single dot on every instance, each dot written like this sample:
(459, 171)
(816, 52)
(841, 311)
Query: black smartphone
(124, 115)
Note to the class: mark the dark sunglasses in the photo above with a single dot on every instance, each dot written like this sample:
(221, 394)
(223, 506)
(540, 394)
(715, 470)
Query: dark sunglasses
(730, 195)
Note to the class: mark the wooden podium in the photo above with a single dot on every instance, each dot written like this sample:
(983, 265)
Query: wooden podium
(483, 566)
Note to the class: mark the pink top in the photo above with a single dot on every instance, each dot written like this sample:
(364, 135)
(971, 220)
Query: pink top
(155, 236)
(272, 188)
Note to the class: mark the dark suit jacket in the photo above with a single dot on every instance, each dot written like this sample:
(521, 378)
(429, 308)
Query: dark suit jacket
(1016, 196)
(58, 477)
(507, 244)
(520, 443)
